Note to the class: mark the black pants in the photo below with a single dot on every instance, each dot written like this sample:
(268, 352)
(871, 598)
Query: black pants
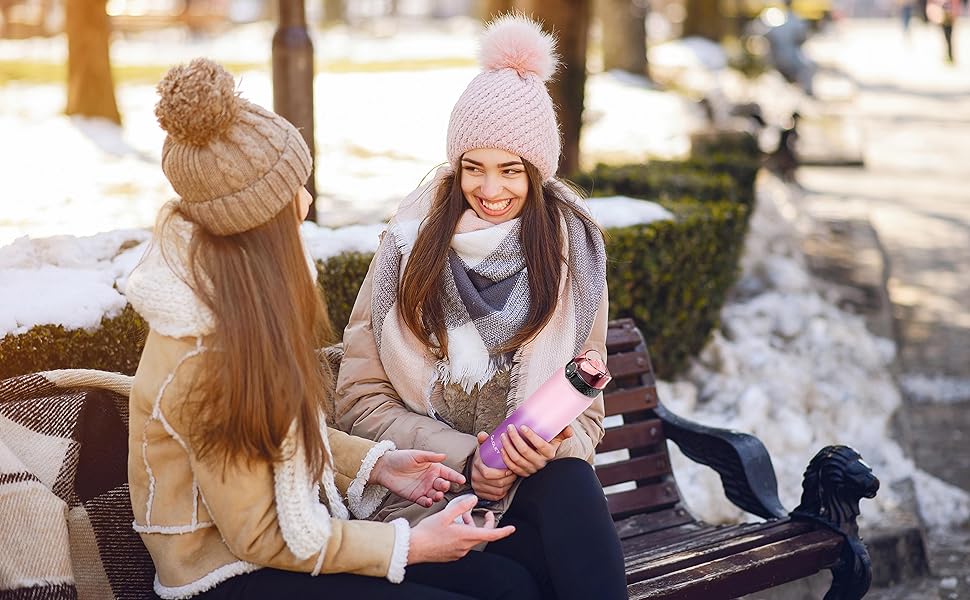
(564, 534)
(948, 39)
(476, 576)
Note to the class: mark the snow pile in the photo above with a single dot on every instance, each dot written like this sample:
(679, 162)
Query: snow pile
(621, 211)
(923, 388)
(324, 242)
(800, 374)
(690, 53)
(66, 280)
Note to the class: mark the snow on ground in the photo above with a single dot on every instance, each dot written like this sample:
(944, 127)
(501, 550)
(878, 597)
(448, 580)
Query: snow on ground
(937, 388)
(800, 374)
(378, 132)
(66, 280)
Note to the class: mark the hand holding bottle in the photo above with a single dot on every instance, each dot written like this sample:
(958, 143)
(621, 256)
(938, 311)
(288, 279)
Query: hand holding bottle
(526, 453)
(550, 409)
(488, 483)
(451, 533)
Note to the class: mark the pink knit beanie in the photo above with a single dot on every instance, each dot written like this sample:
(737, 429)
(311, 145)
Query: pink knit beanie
(507, 105)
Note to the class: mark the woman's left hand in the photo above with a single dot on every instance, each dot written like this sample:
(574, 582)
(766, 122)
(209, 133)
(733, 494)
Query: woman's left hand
(416, 475)
(525, 453)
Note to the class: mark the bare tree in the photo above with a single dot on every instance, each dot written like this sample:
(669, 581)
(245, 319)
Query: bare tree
(90, 88)
(624, 34)
(489, 9)
(569, 20)
(334, 12)
(704, 19)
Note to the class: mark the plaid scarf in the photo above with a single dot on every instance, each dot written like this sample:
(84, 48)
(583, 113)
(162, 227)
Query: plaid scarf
(486, 301)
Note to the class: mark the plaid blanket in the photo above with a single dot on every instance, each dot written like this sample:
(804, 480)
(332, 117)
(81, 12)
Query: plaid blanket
(65, 513)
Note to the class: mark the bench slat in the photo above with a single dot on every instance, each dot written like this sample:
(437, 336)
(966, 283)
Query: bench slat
(627, 400)
(634, 435)
(634, 469)
(643, 498)
(628, 364)
(746, 572)
(622, 339)
(648, 559)
(646, 524)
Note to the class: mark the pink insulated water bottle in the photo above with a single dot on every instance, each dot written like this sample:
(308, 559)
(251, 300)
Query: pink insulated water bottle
(558, 401)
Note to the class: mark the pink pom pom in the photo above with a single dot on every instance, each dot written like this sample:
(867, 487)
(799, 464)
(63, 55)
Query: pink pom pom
(517, 42)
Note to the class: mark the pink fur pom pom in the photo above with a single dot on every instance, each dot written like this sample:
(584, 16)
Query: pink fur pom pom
(517, 42)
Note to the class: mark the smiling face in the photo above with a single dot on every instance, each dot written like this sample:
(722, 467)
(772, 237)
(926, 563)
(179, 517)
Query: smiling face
(494, 184)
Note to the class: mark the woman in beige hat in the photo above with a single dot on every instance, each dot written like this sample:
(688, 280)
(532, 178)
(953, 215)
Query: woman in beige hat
(237, 484)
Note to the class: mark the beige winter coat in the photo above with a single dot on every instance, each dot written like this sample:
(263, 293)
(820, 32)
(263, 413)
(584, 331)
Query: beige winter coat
(203, 525)
(367, 405)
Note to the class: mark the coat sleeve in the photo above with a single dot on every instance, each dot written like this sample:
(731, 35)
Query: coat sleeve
(354, 459)
(367, 404)
(588, 427)
(248, 506)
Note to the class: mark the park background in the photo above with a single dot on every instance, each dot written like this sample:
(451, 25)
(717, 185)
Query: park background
(843, 318)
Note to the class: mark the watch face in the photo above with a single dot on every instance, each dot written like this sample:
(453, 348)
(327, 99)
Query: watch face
(570, 369)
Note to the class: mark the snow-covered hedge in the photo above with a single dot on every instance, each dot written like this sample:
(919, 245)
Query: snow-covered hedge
(669, 275)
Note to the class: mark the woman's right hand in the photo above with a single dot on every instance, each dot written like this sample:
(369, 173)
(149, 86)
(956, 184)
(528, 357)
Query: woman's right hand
(450, 534)
(488, 483)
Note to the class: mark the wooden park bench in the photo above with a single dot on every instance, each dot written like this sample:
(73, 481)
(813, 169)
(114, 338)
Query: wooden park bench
(669, 553)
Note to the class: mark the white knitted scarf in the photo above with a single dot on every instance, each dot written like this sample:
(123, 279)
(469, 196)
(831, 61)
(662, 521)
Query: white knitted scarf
(414, 372)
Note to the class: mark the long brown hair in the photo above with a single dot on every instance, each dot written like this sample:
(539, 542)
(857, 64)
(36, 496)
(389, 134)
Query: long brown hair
(261, 373)
(420, 295)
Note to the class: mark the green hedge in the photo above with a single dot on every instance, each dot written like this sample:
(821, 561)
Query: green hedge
(721, 142)
(115, 346)
(670, 276)
(658, 181)
(713, 177)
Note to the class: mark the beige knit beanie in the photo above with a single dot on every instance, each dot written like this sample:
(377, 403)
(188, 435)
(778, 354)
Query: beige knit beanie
(234, 164)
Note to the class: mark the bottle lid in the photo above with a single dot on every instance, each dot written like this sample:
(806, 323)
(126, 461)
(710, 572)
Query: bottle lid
(588, 373)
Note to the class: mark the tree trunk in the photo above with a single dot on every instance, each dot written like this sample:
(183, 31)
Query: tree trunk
(293, 79)
(489, 9)
(704, 19)
(624, 35)
(569, 19)
(90, 88)
(334, 12)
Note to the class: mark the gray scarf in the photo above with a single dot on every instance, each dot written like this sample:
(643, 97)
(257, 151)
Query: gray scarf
(486, 300)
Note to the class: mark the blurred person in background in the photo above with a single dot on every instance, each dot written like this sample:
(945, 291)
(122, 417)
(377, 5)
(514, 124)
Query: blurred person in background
(906, 14)
(944, 13)
(786, 33)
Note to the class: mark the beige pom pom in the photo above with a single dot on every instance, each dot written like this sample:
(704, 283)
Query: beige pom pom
(198, 102)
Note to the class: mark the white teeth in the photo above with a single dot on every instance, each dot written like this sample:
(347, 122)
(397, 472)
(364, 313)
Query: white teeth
(496, 206)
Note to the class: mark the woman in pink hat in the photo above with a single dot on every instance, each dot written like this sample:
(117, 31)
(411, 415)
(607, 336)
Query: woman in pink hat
(489, 278)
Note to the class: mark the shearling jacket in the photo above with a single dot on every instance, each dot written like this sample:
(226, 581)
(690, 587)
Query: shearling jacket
(367, 405)
(202, 524)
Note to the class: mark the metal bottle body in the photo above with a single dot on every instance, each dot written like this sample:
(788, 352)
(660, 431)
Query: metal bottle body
(557, 402)
(547, 412)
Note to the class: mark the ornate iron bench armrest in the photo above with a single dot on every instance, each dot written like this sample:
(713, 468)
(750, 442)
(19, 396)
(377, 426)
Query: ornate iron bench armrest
(740, 459)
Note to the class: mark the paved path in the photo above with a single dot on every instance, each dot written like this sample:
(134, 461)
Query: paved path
(913, 113)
